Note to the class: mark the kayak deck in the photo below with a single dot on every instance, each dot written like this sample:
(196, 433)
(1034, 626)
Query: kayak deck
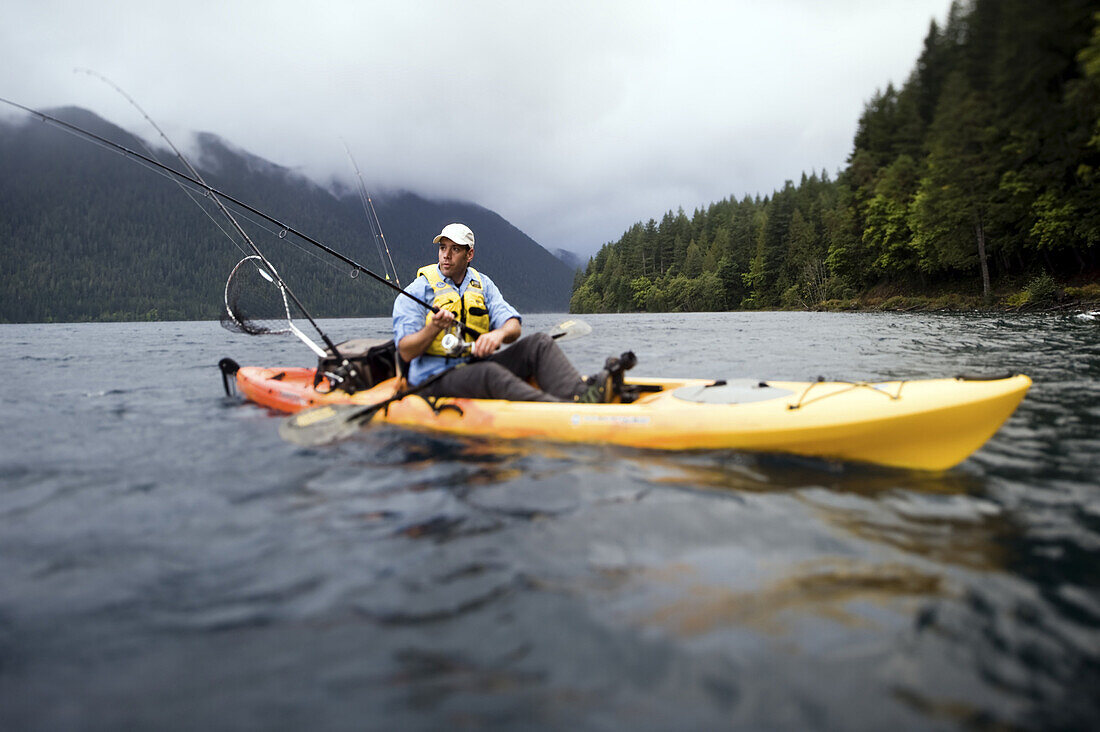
(926, 424)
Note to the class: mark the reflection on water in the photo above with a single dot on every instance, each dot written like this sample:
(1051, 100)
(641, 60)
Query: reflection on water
(827, 589)
(953, 530)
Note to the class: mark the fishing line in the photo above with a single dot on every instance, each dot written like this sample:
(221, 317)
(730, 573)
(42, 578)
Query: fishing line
(366, 211)
(148, 163)
(290, 242)
(179, 156)
(386, 246)
(190, 194)
(351, 376)
(216, 196)
(222, 196)
(372, 219)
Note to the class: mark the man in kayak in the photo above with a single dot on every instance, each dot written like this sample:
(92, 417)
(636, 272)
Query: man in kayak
(464, 366)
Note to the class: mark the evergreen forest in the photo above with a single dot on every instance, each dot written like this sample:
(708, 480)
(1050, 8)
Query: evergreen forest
(974, 184)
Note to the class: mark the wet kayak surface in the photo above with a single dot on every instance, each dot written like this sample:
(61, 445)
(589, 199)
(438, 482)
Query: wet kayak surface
(168, 562)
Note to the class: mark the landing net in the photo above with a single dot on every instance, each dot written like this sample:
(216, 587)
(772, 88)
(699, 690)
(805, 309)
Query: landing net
(255, 302)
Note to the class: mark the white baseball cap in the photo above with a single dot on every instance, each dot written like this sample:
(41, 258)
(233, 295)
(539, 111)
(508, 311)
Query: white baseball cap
(458, 233)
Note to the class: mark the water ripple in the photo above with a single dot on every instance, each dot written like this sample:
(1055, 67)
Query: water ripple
(168, 562)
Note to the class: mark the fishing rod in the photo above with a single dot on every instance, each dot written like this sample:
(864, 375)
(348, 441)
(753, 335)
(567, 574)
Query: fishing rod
(372, 218)
(279, 281)
(214, 192)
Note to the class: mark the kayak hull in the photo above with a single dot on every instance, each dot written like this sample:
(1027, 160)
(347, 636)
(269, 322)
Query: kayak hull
(927, 424)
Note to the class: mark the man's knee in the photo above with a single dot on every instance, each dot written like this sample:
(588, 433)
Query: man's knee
(539, 342)
(491, 374)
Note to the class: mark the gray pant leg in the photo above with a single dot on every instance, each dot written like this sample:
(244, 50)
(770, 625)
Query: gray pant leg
(538, 357)
(504, 375)
(486, 380)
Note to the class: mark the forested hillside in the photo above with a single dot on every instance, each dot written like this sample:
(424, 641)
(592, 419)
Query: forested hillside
(86, 234)
(975, 178)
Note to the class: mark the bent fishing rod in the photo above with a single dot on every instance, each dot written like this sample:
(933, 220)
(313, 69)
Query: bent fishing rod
(214, 192)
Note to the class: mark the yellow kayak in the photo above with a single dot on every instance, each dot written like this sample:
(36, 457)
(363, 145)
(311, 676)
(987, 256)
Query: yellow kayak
(926, 424)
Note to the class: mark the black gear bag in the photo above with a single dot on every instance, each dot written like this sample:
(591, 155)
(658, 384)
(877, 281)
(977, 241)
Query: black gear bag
(371, 362)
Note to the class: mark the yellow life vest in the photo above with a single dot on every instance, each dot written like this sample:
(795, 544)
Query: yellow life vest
(468, 308)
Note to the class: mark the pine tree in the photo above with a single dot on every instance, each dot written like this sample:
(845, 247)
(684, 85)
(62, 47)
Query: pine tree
(959, 185)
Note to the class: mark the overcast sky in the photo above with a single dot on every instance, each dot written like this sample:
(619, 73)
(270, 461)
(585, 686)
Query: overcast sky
(572, 120)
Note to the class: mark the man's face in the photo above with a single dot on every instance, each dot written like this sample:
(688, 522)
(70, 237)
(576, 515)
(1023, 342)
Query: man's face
(454, 258)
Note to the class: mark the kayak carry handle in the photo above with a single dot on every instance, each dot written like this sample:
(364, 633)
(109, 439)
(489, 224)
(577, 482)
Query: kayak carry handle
(984, 377)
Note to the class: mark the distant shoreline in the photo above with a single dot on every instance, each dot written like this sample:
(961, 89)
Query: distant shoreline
(924, 305)
(1041, 295)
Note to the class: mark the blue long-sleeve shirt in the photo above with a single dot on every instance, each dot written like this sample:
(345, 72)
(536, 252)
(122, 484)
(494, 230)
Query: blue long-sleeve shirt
(409, 317)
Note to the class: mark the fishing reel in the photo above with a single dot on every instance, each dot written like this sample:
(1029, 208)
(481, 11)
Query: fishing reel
(454, 346)
(344, 376)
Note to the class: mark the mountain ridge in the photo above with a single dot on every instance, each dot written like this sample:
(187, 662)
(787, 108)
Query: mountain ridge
(87, 235)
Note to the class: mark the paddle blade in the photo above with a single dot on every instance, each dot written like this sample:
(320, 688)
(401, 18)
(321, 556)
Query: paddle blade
(569, 330)
(325, 425)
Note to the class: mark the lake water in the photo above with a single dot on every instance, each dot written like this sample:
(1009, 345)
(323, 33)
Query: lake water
(167, 562)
